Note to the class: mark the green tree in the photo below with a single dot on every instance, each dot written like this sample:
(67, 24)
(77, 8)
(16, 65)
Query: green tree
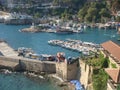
(82, 13)
(104, 12)
(118, 87)
(100, 80)
(37, 15)
(118, 18)
(66, 15)
(95, 11)
(88, 18)
(56, 2)
(105, 62)
(92, 11)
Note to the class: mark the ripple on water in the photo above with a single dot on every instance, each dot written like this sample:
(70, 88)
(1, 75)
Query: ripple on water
(21, 82)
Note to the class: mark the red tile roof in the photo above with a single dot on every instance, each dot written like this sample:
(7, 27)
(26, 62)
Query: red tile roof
(113, 49)
(114, 74)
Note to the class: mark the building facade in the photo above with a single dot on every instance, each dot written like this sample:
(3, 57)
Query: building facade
(112, 51)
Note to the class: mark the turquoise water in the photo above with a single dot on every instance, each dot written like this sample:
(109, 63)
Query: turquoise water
(38, 42)
(20, 82)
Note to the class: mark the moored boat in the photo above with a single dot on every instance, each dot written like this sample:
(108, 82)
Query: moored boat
(77, 45)
(63, 31)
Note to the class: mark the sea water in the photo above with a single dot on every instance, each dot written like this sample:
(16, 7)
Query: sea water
(39, 43)
(21, 82)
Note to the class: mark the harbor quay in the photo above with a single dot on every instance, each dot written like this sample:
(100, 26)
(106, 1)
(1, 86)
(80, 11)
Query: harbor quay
(22, 63)
(10, 60)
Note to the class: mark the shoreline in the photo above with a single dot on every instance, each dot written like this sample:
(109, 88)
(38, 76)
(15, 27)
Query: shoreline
(43, 77)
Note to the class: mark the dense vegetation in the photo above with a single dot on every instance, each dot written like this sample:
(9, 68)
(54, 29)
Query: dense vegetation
(101, 11)
(118, 87)
(94, 12)
(99, 77)
(97, 11)
(99, 80)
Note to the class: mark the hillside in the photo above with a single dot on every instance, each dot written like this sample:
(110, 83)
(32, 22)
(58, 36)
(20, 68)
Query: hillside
(87, 10)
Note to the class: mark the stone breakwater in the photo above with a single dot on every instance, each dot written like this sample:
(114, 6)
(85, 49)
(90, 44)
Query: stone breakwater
(24, 64)
(13, 62)
(9, 59)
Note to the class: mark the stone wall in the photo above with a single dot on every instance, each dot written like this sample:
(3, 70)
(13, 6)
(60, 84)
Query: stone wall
(110, 86)
(32, 65)
(61, 70)
(9, 59)
(39, 66)
(85, 74)
(72, 71)
(67, 71)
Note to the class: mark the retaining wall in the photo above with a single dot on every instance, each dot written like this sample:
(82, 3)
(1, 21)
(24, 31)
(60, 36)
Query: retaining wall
(32, 65)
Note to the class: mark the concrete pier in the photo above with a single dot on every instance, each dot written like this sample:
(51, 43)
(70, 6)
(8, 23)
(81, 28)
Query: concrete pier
(10, 59)
(8, 65)
(6, 50)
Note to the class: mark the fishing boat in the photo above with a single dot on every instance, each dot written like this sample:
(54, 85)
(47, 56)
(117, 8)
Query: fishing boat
(63, 31)
(78, 30)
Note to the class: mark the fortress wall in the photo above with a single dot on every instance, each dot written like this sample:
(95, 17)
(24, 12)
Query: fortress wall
(30, 65)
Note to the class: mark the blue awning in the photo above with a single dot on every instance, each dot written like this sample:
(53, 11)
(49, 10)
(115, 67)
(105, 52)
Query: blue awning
(77, 84)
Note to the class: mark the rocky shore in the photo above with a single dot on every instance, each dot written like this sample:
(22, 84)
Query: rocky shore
(35, 29)
(42, 77)
(31, 29)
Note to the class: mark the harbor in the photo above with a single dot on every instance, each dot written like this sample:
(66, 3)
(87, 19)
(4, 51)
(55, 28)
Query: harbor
(86, 48)
(36, 41)
(59, 45)
(17, 63)
(51, 29)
